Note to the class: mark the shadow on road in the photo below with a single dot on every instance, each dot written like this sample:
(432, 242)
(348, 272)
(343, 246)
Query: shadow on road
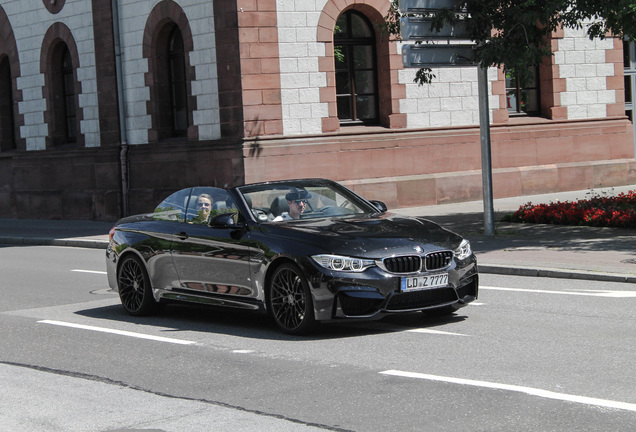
(175, 318)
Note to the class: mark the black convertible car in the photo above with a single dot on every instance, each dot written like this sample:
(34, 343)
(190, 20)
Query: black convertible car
(304, 251)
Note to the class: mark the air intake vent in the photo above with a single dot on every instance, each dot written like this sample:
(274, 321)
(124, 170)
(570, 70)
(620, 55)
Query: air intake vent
(438, 260)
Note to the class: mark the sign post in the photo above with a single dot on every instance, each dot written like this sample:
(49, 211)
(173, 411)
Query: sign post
(433, 54)
(486, 166)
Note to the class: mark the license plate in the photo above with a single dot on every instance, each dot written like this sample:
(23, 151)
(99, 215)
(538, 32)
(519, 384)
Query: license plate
(424, 282)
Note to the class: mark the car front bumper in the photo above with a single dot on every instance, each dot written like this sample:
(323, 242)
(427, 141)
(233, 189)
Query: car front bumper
(376, 293)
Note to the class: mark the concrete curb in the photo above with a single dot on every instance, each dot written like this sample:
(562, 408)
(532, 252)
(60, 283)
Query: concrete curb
(555, 273)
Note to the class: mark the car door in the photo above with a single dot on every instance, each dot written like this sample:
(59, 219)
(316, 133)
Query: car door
(212, 262)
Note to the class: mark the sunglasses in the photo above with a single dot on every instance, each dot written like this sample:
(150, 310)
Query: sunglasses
(300, 201)
(204, 205)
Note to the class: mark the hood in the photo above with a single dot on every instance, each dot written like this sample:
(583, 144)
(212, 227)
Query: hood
(370, 236)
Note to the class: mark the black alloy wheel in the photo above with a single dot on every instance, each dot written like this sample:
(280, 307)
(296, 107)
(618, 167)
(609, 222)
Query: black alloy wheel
(290, 301)
(134, 288)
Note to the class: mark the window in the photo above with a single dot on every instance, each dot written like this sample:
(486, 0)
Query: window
(522, 92)
(177, 83)
(70, 110)
(7, 121)
(355, 58)
(171, 110)
(63, 121)
(629, 65)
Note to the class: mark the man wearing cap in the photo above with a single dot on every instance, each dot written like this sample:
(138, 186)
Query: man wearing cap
(297, 202)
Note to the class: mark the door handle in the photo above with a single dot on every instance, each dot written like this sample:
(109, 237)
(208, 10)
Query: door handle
(182, 235)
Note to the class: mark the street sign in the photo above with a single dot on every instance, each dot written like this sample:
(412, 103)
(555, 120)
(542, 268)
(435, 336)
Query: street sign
(417, 28)
(420, 6)
(430, 55)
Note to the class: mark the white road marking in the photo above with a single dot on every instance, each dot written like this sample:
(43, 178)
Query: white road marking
(589, 293)
(439, 332)
(89, 271)
(243, 351)
(519, 389)
(119, 332)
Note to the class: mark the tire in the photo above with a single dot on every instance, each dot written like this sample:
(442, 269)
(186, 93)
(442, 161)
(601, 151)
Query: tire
(290, 302)
(134, 287)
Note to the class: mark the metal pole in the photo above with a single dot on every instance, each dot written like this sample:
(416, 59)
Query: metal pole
(486, 166)
(121, 98)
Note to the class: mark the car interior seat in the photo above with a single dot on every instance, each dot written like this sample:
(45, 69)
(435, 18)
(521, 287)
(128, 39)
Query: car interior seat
(279, 206)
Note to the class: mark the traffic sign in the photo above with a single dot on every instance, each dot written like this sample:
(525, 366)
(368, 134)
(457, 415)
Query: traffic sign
(420, 6)
(418, 28)
(431, 55)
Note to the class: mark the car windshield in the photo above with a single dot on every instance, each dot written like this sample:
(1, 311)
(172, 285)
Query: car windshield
(305, 199)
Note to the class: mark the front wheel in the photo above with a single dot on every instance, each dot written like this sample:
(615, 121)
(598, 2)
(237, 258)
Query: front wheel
(290, 301)
(134, 287)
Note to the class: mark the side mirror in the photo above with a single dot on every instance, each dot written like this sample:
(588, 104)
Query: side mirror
(379, 205)
(225, 220)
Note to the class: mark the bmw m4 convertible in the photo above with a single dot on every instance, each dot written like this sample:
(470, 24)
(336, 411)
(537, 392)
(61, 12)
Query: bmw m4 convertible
(304, 251)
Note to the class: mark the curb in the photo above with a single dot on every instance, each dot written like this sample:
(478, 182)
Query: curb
(555, 273)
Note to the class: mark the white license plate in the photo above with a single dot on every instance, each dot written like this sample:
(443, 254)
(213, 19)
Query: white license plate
(424, 282)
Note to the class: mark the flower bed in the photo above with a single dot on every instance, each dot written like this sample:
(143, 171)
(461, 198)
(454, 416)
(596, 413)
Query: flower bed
(603, 211)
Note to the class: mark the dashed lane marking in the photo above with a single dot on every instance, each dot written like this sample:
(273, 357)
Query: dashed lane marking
(518, 389)
(89, 271)
(118, 332)
(588, 293)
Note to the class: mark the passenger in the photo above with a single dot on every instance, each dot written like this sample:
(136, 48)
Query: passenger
(204, 206)
(297, 202)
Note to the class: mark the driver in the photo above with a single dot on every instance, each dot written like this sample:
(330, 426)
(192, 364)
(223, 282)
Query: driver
(297, 202)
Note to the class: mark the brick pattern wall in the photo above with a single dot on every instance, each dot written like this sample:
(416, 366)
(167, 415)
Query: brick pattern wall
(303, 77)
(78, 19)
(451, 100)
(616, 82)
(582, 63)
(199, 14)
(105, 75)
(260, 67)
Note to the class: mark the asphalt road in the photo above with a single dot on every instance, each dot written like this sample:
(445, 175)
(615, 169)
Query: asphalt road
(532, 354)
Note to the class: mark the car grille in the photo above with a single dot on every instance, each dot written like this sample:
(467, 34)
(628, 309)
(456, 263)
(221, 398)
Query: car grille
(438, 260)
(403, 264)
(413, 263)
(421, 299)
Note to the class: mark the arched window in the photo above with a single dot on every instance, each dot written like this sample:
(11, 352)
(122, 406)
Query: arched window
(177, 83)
(356, 69)
(7, 121)
(63, 102)
(70, 109)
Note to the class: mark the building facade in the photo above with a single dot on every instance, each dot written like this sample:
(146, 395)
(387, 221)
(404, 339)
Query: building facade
(107, 106)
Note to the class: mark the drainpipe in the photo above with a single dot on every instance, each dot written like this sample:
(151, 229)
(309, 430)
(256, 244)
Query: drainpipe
(121, 97)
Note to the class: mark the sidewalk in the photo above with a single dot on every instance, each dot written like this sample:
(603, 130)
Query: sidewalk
(605, 254)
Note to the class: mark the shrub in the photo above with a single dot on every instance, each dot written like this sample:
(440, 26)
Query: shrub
(604, 211)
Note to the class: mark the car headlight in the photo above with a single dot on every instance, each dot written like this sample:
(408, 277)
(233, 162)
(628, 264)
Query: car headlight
(343, 263)
(463, 251)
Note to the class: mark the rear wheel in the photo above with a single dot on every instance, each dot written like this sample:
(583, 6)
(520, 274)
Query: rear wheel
(134, 287)
(290, 300)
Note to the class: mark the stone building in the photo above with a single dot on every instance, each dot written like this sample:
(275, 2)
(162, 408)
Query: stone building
(107, 106)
